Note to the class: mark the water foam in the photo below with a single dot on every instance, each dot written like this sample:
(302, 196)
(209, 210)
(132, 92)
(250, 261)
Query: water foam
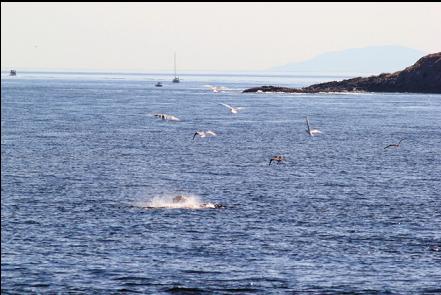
(170, 202)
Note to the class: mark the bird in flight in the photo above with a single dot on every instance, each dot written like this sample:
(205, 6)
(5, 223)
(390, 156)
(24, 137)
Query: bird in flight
(204, 133)
(394, 144)
(166, 117)
(278, 159)
(310, 131)
(232, 109)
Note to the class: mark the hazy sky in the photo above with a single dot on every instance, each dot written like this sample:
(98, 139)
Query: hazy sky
(206, 36)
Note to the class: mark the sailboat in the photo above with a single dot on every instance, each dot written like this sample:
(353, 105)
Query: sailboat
(176, 78)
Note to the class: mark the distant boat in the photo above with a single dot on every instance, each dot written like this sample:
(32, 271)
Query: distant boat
(159, 84)
(176, 78)
(12, 73)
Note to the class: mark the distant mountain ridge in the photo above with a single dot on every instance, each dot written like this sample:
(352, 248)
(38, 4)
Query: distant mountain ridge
(373, 59)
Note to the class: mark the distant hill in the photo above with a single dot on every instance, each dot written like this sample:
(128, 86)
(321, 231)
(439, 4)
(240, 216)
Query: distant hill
(370, 60)
(422, 77)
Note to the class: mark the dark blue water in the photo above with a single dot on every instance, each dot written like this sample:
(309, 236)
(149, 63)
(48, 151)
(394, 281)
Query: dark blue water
(81, 156)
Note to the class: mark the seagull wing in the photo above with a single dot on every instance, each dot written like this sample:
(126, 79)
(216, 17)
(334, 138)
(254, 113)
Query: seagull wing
(307, 123)
(173, 118)
(209, 132)
(230, 107)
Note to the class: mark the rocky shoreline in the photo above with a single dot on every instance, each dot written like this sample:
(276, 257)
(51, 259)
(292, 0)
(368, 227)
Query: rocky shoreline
(422, 77)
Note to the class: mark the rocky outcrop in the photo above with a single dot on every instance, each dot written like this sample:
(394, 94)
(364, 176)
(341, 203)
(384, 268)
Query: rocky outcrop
(422, 77)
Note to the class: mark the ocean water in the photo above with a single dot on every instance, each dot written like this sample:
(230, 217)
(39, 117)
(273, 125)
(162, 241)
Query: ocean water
(88, 175)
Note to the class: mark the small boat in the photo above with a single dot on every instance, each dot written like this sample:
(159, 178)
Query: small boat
(12, 73)
(159, 84)
(176, 78)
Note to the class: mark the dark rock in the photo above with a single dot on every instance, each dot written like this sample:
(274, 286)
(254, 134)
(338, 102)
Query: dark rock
(273, 89)
(422, 77)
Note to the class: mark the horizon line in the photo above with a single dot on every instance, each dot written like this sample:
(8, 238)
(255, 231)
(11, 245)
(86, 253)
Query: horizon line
(192, 72)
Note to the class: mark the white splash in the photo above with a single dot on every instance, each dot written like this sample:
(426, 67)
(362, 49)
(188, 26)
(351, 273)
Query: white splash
(218, 88)
(176, 202)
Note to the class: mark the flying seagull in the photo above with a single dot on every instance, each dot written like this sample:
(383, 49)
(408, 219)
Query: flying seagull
(166, 117)
(232, 109)
(310, 131)
(277, 158)
(394, 144)
(204, 133)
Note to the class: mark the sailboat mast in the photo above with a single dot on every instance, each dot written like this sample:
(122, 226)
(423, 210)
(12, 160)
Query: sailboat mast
(175, 79)
(175, 64)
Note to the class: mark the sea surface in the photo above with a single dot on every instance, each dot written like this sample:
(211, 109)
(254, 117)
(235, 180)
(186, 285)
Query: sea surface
(88, 175)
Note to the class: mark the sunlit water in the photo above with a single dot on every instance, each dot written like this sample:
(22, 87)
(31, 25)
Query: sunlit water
(88, 175)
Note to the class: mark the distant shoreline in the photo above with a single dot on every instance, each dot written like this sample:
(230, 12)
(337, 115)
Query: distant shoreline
(422, 77)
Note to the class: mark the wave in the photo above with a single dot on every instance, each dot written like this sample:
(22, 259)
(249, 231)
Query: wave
(218, 88)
